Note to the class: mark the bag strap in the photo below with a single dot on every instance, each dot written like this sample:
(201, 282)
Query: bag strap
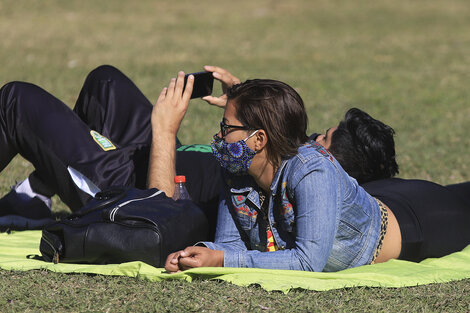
(113, 212)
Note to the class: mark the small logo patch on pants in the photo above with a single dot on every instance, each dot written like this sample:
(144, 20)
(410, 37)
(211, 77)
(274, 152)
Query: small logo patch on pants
(102, 141)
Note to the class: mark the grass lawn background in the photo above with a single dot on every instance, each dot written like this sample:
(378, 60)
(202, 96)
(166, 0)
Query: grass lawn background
(407, 63)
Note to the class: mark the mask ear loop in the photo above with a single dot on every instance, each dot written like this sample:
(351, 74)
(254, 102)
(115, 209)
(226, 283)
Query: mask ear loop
(252, 134)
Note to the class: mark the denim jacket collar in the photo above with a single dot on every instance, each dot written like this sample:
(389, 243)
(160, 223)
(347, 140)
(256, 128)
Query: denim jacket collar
(277, 177)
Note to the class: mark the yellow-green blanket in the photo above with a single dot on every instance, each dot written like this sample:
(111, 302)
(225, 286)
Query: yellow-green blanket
(16, 247)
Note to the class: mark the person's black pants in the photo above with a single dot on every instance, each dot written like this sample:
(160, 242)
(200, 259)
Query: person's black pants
(52, 137)
(434, 220)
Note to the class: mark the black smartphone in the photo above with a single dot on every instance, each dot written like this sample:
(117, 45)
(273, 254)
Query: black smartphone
(203, 83)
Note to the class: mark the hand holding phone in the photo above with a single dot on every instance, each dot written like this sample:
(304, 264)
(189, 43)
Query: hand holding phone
(203, 83)
(226, 79)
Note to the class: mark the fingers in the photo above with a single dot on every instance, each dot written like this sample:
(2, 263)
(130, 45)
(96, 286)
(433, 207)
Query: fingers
(223, 75)
(188, 251)
(172, 106)
(189, 89)
(186, 263)
(217, 101)
(218, 71)
(171, 88)
(178, 88)
(173, 261)
(172, 268)
(162, 94)
(190, 257)
(179, 84)
(171, 264)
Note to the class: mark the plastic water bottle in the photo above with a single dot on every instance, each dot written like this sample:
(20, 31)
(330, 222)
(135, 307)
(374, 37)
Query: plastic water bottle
(181, 193)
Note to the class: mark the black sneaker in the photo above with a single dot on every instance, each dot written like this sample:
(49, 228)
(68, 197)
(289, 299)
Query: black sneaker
(18, 214)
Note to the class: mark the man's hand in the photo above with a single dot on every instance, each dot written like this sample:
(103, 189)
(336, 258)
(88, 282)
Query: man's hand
(171, 106)
(192, 257)
(227, 80)
(167, 115)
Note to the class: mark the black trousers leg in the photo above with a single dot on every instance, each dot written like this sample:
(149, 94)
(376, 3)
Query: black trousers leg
(51, 136)
(110, 103)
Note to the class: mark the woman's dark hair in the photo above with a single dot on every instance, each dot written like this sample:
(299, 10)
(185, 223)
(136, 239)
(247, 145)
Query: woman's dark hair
(364, 147)
(276, 108)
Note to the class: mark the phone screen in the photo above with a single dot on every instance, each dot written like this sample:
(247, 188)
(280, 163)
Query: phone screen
(203, 82)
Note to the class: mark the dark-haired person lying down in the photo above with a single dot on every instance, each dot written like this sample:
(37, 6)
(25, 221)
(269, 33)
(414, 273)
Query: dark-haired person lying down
(432, 219)
(43, 130)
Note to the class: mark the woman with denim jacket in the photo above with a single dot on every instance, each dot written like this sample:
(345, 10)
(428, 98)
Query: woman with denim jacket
(286, 202)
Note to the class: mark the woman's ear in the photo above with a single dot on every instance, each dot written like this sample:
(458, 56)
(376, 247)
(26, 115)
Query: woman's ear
(261, 139)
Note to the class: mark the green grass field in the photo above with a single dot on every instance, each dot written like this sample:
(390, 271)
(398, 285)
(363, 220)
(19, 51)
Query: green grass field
(405, 62)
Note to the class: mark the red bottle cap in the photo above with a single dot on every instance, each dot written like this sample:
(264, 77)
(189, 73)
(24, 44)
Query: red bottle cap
(180, 179)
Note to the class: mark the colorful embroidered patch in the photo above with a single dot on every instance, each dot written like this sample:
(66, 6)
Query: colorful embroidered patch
(102, 141)
(244, 210)
(322, 150)
(286, 205)
(238, 199)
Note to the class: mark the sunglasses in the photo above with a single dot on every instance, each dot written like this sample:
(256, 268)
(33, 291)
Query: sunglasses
(224, 128)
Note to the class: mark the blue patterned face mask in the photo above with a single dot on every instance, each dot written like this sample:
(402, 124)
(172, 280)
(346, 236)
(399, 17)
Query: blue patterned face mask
(235, 157)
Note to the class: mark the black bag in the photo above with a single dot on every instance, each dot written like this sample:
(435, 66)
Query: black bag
(125, 225)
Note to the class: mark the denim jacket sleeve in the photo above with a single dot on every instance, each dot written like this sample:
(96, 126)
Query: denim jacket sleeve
(315, 186)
